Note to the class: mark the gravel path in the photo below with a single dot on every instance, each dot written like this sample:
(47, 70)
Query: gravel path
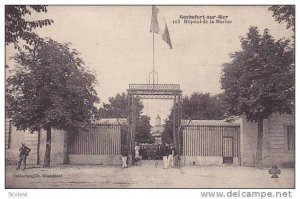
(146, 176)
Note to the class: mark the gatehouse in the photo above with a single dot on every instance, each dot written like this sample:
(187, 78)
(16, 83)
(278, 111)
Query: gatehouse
(210, 142)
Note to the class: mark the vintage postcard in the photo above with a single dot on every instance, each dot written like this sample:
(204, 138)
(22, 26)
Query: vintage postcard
(150, 96)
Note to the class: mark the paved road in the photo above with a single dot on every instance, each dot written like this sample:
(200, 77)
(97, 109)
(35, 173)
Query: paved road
(146, 176)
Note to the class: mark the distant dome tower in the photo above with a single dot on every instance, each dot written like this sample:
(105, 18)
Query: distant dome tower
(158, 121)
(157, 130)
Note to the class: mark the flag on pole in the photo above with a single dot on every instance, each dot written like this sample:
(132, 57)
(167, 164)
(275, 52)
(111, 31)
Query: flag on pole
(159, 26)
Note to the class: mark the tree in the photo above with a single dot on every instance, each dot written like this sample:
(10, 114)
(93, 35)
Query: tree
(260, 80)
(202, 106)
(199, 106)
(167, 135)
(51, 89)
(284, 13)
(18, 28)
(118, 107)
(143, 130)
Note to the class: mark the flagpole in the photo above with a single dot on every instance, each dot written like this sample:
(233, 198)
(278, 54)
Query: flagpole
(153, 53)
(153, 47)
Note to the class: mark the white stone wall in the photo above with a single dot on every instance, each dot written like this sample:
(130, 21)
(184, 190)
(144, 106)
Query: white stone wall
(31, 140)
(12, 153)
(248, 135)
(205, 160)
(275, 144)
(276, 141)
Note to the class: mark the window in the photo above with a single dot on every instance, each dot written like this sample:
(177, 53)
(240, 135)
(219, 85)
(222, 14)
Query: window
(7, 133)
(291, 137)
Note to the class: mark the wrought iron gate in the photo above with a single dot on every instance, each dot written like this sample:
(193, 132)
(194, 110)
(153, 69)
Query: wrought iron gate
(155, 91)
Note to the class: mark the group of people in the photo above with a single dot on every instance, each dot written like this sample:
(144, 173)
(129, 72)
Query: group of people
(167, 152)
(137, 158)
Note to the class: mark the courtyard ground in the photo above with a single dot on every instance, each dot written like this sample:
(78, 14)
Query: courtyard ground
(146, 176)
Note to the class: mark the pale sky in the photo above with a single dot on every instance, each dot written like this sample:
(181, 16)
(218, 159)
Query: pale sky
(116, 44)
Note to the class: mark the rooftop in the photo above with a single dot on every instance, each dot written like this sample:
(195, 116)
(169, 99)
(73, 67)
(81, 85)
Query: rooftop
(119, 121)
(208, 123)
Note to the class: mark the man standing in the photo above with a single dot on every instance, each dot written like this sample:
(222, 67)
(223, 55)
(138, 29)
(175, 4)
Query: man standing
(137, 156)
(171, 156)
(24, 152)
(124, 153)
(166, 153)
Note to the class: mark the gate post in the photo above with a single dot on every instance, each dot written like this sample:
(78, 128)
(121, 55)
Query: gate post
(180, 137)
(179, 140)
(129, 131)
(131, 126)
(174, 122)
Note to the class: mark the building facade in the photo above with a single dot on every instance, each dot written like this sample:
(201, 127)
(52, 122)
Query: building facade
(100, 144)
(157, 130)
(204, 142)
(278, 140)
(36, 141)
(235, 142)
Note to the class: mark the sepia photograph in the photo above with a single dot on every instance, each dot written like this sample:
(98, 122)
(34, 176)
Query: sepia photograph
(149, 96)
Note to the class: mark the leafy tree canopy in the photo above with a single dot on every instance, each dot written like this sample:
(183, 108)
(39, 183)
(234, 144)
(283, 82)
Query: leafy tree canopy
(260, 79)
(202, 106)
(143, 130)
(18, 28)
(284, 13)
(199, 106)
(51, 88)
(118, 107)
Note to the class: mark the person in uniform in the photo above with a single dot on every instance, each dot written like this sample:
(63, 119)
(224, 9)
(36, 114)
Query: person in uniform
(24, 152)
(166, 153)
(158, 155)
(124, 153)
(137, 154)
(171, 156)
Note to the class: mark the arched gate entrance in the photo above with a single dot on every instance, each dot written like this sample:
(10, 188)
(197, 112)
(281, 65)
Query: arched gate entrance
(155, 91)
